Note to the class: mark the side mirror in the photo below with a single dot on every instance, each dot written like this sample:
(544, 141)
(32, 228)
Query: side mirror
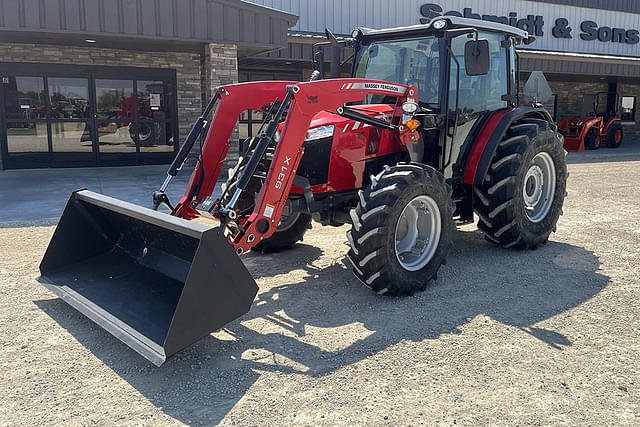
(477, 60)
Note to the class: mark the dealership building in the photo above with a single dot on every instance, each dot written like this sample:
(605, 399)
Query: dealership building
(118, 82)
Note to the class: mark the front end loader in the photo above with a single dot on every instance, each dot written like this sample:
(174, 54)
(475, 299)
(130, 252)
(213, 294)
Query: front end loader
(426, 133)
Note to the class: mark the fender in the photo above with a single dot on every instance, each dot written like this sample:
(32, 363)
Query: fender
(487, 142)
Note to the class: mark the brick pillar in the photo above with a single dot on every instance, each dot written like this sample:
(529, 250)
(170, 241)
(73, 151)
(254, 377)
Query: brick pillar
(220, 67)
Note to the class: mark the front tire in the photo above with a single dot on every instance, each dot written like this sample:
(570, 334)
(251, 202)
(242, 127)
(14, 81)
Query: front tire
(402, 229)
(521, 199)
(592, 140)
(614, 135)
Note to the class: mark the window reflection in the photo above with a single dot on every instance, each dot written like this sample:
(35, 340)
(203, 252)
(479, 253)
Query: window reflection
(23, 99)
(114, 99)
(69, 97)
(71, 137)
(116, 137)
(30, 137)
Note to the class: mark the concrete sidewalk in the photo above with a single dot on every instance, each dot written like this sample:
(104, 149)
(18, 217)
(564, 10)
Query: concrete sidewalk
(39, 195)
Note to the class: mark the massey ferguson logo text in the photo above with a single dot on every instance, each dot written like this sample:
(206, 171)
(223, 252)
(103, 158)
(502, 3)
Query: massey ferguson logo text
(375, 86)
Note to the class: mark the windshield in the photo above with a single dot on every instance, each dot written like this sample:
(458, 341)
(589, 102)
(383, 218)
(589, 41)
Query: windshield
(411, 62)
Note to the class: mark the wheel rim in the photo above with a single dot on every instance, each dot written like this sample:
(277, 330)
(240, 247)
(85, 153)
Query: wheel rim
(144, 132)
(539, 187)
(417, 233)
(618, 136)
(287, 221)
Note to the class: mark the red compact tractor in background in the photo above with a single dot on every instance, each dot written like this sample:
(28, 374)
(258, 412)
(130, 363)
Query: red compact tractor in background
(601, 126)
(426, 134)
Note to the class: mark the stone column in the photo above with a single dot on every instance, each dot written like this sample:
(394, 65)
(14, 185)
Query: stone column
(220, 67)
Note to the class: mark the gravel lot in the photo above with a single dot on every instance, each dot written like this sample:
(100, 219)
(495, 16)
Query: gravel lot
(503, 337)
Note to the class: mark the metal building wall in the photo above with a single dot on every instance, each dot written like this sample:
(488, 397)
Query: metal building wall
(228, 21)
(341, 16)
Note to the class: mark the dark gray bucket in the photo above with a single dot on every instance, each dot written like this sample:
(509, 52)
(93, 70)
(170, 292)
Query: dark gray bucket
(156, 282)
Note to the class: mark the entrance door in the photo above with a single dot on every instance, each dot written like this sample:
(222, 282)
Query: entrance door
(70, 121)
(26, 142)
(115, 113)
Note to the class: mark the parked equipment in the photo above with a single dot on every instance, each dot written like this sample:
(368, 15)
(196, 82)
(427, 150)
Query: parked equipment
(427, 131)
(600, 126)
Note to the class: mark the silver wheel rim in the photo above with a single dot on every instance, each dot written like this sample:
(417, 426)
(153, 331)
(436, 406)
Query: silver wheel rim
(286, 222)
(417, 233)
(539, 187)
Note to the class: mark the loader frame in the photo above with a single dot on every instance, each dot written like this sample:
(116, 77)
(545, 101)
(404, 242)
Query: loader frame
(300, 102)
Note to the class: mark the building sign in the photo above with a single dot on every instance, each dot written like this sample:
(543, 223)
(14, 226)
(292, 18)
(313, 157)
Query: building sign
(535, 25)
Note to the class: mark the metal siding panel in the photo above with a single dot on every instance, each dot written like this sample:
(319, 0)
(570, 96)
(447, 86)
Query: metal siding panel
(200, 19)
(72, 14)
(32, 13)
(148, 17)
(91, 15)
(165, 18)
(111, 18)
(129, 17)
(248, 26)
(231, 23)
(214, 12)
(183, 9)
(51, 13)
(13, 9)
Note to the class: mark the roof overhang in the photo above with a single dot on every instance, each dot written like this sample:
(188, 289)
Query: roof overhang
(171, 25)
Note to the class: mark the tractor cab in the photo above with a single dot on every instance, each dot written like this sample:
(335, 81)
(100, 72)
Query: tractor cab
(464, 70)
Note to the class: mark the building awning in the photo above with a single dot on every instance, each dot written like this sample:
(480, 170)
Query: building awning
(579, 63)
(146, 24)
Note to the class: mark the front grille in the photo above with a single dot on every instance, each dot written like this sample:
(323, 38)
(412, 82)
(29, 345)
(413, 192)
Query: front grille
(315, 161)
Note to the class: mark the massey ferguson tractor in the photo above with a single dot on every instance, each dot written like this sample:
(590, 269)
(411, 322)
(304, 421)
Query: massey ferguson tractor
(426, 133)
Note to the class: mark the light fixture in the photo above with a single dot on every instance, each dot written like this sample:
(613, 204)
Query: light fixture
(439, 24)
(90, 40)
(410, 107)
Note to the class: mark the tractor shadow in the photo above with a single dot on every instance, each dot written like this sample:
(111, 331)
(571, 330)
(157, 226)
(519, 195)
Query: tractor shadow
(288, 329)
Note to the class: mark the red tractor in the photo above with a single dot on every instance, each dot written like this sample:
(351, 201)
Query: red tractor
(601, 126)
(426, 133)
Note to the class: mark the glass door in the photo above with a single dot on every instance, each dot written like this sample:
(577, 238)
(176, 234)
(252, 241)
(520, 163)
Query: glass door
(70, 121)
(25, 124)
(115, 114)
(153, 116)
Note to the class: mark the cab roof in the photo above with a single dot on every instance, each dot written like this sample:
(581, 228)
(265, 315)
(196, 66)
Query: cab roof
(453, 22)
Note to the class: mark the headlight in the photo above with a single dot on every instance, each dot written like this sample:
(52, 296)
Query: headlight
(409, 107)
(319, 133)
(439, 24)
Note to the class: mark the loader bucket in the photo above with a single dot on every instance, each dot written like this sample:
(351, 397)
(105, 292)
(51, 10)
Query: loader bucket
(156, 282)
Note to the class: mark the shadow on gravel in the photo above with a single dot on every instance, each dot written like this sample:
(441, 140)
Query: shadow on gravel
(203, 383)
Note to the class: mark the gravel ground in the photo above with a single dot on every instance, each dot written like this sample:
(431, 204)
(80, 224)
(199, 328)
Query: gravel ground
(540, 337)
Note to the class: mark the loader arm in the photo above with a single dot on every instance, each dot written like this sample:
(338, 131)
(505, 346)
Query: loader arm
(232, 100)
(302, 101)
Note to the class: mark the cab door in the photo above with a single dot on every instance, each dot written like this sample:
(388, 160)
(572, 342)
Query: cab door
(476, 97)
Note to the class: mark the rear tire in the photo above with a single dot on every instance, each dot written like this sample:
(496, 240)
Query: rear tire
(592, 140)
(522, 195)
(402, 229)
(614, 135)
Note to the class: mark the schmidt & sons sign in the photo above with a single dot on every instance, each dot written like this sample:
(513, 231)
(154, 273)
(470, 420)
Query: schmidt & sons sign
(535, 25)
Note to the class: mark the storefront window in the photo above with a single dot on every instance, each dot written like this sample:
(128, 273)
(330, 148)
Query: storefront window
(27, 137)
(69, 98)
(114, 99)
(24, 99)
(86, 116)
